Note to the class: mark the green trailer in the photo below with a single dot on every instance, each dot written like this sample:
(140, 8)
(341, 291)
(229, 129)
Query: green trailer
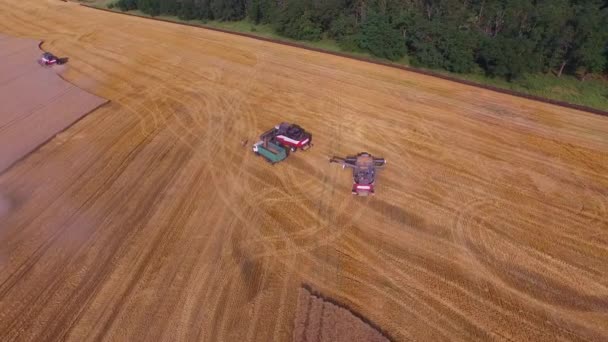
(271, 151)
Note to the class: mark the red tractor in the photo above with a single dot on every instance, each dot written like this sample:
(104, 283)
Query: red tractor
(364, 167)
(48, 59)
(293, 136)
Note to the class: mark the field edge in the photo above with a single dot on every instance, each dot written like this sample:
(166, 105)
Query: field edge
(372, 61)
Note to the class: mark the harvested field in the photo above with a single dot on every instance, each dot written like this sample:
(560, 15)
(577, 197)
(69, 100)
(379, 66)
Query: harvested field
(320, 320)
(148, 220)
(36, 103)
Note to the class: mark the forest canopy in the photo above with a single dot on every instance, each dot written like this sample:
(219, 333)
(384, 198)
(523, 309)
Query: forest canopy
(505, 38)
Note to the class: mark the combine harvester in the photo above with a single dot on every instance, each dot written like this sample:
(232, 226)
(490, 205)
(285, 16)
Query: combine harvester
(275, 144)
(293, 136)
(48, 59)
(364, 167)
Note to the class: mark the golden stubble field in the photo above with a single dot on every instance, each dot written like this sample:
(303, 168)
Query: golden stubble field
(148, 220)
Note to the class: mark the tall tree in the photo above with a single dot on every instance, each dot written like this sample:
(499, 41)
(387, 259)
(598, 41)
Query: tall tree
(591, 36)
(380, 38)
(504, 38)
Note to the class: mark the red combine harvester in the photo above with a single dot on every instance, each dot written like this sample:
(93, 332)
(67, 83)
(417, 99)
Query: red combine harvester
(49, 59)
(364, 167)
(293, 136)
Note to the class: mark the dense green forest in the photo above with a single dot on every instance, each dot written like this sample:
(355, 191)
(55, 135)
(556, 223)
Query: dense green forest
(507, 38)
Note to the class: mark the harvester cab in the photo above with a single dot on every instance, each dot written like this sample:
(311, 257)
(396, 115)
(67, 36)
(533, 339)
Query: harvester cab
(364, 167)
(293, 136)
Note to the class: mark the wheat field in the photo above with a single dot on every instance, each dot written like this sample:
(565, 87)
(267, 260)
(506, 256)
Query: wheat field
(148, 220)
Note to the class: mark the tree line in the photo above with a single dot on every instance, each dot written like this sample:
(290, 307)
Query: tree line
(506, 38)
